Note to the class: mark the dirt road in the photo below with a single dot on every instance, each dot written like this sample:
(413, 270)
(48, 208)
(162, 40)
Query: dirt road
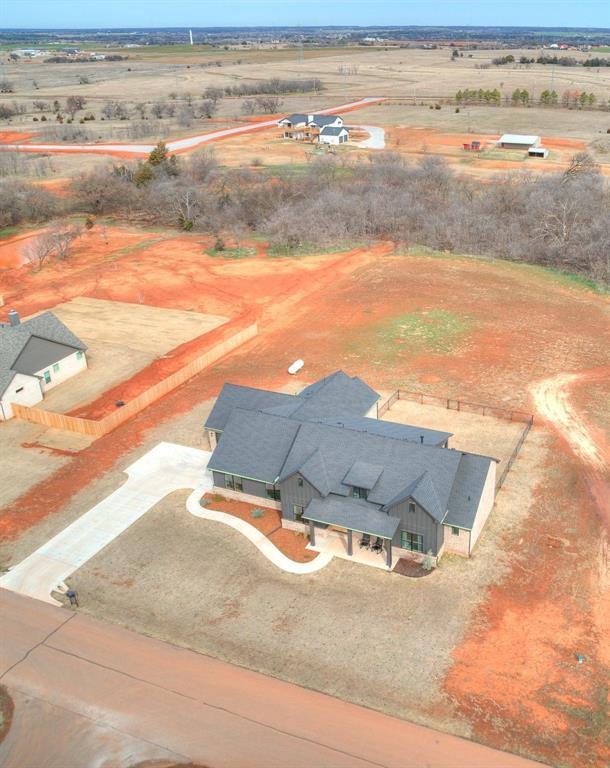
(179, 145)
(64, 670)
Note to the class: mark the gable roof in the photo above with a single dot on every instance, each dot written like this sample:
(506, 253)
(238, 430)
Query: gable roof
(314, 471)
(254, 445)
(467, 489)
(333, 130)
(422, 491)
(334, 396)
(33, 344)
(234, 396)
(322, 120)
(295, 119)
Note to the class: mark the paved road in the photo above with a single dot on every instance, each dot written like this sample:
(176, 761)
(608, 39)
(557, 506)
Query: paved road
(89, 694)
(179, 145)
(165, 468)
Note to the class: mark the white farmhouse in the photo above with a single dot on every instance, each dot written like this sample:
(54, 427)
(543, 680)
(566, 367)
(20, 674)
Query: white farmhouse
(331, 134)
(35, 356)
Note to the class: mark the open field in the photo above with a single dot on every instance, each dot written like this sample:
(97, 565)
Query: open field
(455, 326)
(410, 79)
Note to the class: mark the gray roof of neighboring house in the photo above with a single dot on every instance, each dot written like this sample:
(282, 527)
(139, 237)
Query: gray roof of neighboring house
(332, 130)
(356, 515)
(391, 429)
(249, 398)
(322, 120)
(295, 119)
(34, 344)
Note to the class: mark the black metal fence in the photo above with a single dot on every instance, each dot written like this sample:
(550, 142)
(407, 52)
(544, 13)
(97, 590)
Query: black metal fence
(455, 404)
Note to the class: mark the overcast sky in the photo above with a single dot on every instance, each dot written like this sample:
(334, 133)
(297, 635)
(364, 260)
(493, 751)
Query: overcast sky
(74, 14)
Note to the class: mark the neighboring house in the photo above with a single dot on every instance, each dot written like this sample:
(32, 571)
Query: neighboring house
(302, 127)
(35, 356)
(335, 470)
(333, 135)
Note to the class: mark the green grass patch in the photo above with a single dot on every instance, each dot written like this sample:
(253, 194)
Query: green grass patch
(232, 253)
(134, 247)
(10, 232)
(309, 249)
(257, 513)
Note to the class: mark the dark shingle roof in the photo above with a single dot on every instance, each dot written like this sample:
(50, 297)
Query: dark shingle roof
(363, 475)
(254, 445)
(467, 489)
(323, 120)
(33, 344)
(354, 514)
(295, 119)
(234, 396)
(332, 130)
(407, 432)
(298, 434)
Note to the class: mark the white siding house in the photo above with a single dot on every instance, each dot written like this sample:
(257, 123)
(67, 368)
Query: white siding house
(333, 135)
(35, 356)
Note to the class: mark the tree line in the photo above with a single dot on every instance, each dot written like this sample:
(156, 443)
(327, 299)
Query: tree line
(522, 97)
(557, 220)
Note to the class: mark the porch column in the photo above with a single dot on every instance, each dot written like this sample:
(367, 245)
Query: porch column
(350, 549)
(312, 534)
(389, 552)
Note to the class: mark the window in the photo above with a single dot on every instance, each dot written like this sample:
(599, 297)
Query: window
(79, 354)
(359, 493)
(55, 367)
(455, 531)
(273, 492)
(47, 377)
(298, 512)
(412, 507)
(412, 541)
(300, 482)
(234, 482)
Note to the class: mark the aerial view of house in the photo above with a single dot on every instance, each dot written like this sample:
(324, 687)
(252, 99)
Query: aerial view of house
(35, 356)
(333, 469)
(325, 129)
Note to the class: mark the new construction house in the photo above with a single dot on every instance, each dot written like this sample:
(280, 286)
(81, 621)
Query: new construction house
(322, 129)
(343, 476)
(35, 356)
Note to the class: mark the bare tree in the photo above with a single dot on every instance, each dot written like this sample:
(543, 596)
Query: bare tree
(74, 104)
(269, 104)
(141, 108)
(39, 250)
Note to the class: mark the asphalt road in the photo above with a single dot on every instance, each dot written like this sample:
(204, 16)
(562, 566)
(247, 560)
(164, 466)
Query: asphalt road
(91, 695)
(178, 145)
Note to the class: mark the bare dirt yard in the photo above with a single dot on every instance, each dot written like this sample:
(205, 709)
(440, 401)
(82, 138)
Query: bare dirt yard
(121, 338)
(500, 656)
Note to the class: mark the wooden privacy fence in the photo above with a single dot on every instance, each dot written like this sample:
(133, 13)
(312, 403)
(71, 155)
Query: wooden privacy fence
(132, 407)
(454, 404)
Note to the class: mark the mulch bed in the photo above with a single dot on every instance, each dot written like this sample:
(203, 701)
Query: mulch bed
(290, 543)
(406, 567)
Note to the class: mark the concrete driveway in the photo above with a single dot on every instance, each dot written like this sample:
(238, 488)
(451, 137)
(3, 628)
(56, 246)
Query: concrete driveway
(164, 469)
(376, 138)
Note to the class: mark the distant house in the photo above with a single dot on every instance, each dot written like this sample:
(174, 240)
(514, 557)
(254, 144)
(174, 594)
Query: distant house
(302, 127)
(35, 356)
(335, 471)
(518, 141)
(331, 134)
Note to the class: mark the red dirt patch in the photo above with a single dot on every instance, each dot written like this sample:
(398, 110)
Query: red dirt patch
(15, 137)
(292, 544)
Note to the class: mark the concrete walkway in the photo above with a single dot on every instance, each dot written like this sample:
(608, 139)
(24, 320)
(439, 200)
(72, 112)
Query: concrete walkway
(376, 138)
(265, 547)
(164, 469)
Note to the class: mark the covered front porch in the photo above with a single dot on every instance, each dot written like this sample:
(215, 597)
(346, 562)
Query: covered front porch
(352, 530)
